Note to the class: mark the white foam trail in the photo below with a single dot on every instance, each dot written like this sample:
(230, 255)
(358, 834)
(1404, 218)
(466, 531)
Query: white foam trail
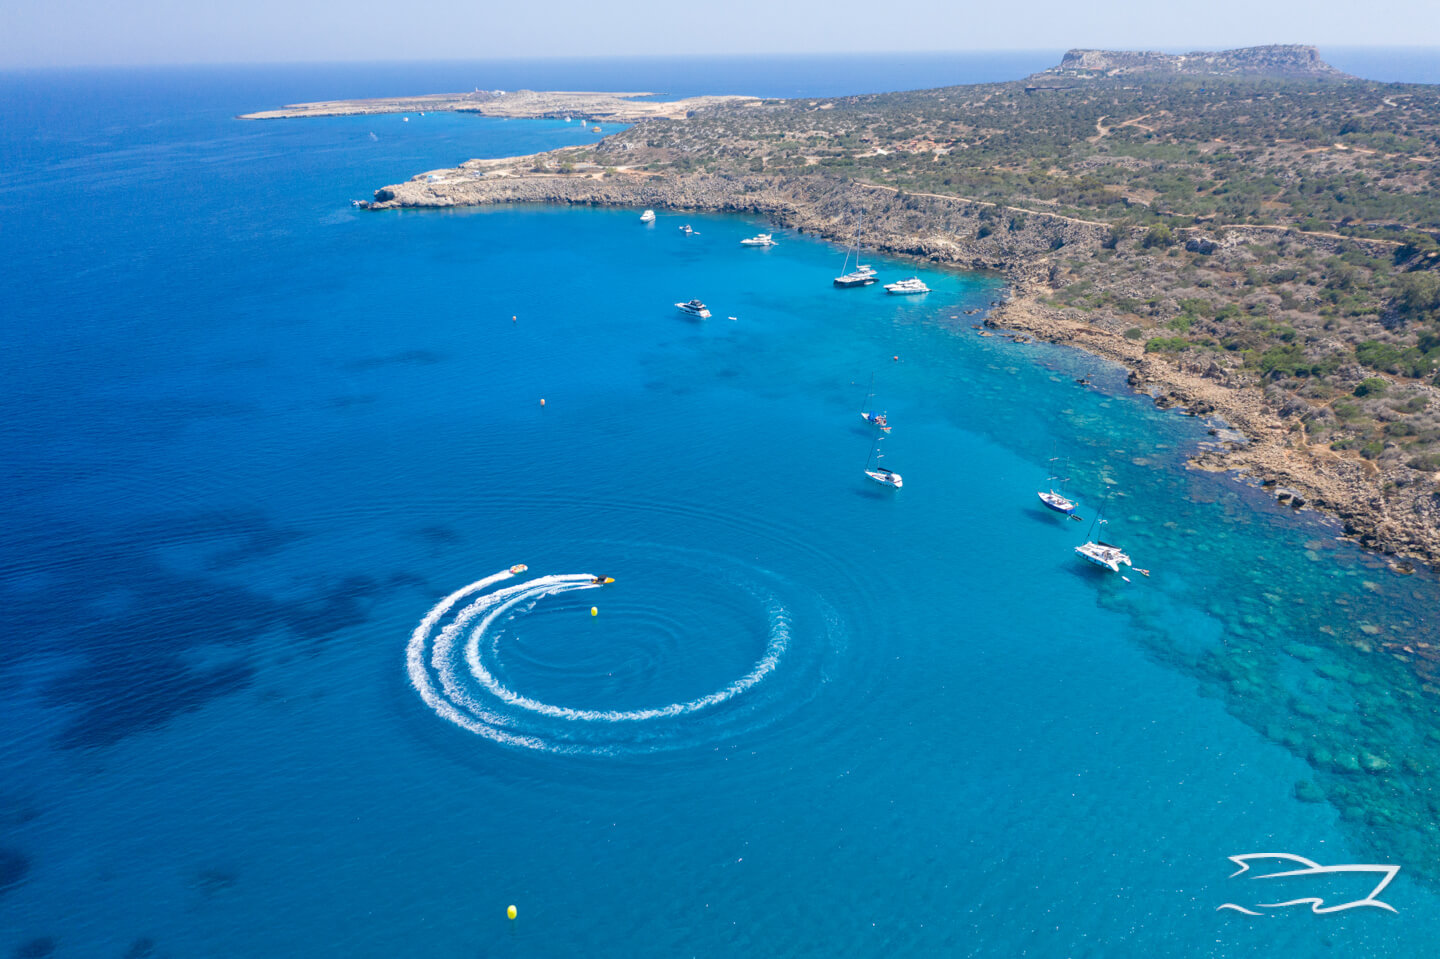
(420, 679)
(457, 702)
(779, 641)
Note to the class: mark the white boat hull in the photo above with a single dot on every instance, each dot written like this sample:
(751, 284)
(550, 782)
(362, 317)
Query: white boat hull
(886, 478)
(1103, 555)
(1057, 502)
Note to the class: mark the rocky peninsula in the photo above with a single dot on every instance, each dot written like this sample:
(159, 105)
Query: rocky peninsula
(1127, 222)
(520, 104)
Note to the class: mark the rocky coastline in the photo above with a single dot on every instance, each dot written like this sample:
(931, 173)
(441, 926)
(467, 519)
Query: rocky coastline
(1265, 439)
(517, 104)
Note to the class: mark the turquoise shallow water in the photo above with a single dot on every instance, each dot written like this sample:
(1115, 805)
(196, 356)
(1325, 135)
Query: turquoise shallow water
(255, 436)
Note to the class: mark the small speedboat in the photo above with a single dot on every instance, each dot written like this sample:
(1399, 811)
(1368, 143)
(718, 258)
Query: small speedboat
(648, 216)
(885, 477)
(602, 580)
(1104, 555)
(519, 568)
(912, 285)
(694, 308)
(759, 239)
(688, 231)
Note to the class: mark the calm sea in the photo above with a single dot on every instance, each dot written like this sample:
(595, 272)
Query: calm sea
(254, 440)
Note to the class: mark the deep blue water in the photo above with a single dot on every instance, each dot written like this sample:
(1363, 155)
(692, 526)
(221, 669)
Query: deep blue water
(252, 436)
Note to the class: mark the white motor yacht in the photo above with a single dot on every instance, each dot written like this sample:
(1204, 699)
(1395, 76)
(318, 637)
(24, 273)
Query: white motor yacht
(694, 308)
(648, 216)
(912, 285)
(759, 239)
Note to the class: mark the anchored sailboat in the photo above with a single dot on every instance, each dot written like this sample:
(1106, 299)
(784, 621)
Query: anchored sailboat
(878, 473)
(862, 275)
(1053, 499)
(874, 419)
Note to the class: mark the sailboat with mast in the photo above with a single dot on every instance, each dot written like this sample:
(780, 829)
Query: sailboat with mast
(878, 473)
(1056, 499)
(1097, 551)
(862, 275)
(871, 417)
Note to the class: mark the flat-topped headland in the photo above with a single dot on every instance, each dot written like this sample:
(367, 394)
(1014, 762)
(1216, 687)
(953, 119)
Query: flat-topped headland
(526, 104)
(1251, 232)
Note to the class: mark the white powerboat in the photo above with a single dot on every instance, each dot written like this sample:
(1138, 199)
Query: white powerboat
(694, 308)
(688, 231)
(648, 216)
(759, 239)
(912, 285)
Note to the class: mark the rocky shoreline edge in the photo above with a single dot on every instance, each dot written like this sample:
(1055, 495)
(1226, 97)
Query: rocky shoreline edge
(1265, 441)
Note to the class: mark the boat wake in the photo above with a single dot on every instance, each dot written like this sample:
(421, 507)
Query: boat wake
(456, 655)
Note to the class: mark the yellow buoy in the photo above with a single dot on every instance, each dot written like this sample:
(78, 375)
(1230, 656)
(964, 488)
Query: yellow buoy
(594, 611)
(510, 912)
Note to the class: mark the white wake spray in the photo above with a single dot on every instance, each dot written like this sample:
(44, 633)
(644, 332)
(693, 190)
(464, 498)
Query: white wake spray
(448, 669)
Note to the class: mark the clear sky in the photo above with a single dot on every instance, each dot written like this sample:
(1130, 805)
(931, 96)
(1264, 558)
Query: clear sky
(38, 33)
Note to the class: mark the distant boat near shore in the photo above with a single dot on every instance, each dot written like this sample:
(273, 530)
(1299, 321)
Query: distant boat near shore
(862, 275)
(648, 216)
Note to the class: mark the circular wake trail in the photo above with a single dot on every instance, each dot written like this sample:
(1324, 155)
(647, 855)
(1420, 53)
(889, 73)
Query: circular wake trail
(454, 650)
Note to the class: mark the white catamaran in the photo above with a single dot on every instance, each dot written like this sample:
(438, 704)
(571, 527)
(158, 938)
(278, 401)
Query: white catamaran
(1101, 553)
